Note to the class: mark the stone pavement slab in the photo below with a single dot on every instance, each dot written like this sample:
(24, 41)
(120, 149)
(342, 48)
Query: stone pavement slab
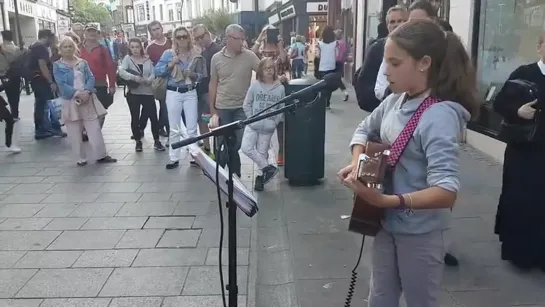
(129, 234)
(305, 253)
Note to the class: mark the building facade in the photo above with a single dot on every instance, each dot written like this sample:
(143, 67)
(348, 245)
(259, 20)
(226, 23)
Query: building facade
(34, 16)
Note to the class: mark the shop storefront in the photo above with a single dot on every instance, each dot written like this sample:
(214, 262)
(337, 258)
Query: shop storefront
(294, 17)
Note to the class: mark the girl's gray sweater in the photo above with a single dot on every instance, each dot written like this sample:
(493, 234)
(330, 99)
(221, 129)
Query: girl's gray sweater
(148, 73)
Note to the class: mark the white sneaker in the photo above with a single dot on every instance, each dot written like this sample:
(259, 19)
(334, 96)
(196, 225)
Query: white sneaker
(14, 149)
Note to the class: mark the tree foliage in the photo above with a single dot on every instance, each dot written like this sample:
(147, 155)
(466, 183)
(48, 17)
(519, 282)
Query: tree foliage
(215, 20)
(86, 11)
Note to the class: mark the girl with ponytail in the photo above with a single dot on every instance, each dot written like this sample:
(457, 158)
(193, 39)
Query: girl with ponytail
(434, 95)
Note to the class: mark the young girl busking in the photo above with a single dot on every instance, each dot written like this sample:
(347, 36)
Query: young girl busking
(263, 93)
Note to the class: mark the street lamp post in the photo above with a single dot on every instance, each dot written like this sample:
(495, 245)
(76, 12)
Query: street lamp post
(18, 24)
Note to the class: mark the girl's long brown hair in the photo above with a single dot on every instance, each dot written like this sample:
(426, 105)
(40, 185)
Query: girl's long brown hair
(451, 75)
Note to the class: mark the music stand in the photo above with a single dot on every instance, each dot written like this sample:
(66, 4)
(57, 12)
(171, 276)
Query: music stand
(227, 132)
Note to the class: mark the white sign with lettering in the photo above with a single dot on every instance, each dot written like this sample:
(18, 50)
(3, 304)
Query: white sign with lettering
(317, 7)
(26, 8)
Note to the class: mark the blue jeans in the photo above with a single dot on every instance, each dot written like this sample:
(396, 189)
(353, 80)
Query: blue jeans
(45, 122)
(297, 68)
(228, 116)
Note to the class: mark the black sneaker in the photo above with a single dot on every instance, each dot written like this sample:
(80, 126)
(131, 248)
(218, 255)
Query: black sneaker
(163, 133)
(193, 163)
(269, 172)
(107, 159)
(158, 146)
(345, 97)
(259, 185)
(138, 146)
(450, 260)
(172, 164)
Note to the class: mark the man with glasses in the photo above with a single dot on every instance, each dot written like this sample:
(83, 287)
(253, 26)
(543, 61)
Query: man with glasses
(371, 77)
(230, 76)
(202, 37)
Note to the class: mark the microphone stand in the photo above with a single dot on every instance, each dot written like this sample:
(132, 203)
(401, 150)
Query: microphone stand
(227, 132)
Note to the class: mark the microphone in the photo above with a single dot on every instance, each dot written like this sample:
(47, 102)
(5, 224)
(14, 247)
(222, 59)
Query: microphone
(330, 82)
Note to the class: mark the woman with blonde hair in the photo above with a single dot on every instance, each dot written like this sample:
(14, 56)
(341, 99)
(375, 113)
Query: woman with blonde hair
(81, 109)
(184, 67)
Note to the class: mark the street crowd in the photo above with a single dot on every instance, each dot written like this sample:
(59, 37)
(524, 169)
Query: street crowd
(183, 82)
(417, 82)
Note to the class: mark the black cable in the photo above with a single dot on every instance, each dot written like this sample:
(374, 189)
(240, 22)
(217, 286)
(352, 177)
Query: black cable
(217, 147)
(354, 278)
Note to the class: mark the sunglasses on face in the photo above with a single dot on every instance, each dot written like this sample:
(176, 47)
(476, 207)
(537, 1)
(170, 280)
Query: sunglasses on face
(198, 38)
(181, 37)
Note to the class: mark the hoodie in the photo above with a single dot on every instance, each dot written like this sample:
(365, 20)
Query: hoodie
(259, 97)
(431, 157)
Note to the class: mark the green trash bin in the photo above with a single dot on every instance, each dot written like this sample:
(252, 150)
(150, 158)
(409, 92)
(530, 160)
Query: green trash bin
(304, 138)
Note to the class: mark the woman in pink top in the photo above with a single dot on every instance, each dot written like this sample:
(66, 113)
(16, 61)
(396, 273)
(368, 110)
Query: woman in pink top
(81, 107)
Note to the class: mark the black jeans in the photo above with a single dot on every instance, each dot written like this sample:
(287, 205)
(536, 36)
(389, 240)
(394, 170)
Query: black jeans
(7, 117)
(149, 110)
(327, 93)
(12, 87)
(163, 118)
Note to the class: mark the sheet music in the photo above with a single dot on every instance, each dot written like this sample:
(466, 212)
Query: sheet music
(244, 199)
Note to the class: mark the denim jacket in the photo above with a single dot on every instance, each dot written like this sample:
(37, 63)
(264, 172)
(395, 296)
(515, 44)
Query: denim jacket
(161, 68)
(64, 77)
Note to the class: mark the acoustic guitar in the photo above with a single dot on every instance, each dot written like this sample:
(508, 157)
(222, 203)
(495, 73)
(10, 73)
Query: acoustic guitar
(372, 166)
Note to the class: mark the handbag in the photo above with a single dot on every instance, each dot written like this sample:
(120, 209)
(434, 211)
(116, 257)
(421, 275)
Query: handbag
(159, 86)
(520, 130)
(375, 169)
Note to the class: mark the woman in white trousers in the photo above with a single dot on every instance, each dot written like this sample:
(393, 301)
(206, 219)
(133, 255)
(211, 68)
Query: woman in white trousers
(184, 67)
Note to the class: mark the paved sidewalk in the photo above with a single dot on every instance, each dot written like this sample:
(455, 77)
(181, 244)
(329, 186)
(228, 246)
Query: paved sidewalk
(127, 234)
(306, 254)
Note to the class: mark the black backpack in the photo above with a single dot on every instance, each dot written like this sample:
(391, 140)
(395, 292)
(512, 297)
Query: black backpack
(20, 67)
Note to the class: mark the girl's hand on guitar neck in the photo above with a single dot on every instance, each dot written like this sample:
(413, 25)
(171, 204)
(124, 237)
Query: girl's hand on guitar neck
(373, 196)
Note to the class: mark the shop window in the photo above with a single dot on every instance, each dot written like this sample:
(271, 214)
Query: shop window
(508, 36)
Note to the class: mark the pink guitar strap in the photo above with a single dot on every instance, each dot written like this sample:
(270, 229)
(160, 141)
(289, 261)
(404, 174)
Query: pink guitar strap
(402, 140)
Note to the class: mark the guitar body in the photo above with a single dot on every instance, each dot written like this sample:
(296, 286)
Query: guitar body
(366, 218)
